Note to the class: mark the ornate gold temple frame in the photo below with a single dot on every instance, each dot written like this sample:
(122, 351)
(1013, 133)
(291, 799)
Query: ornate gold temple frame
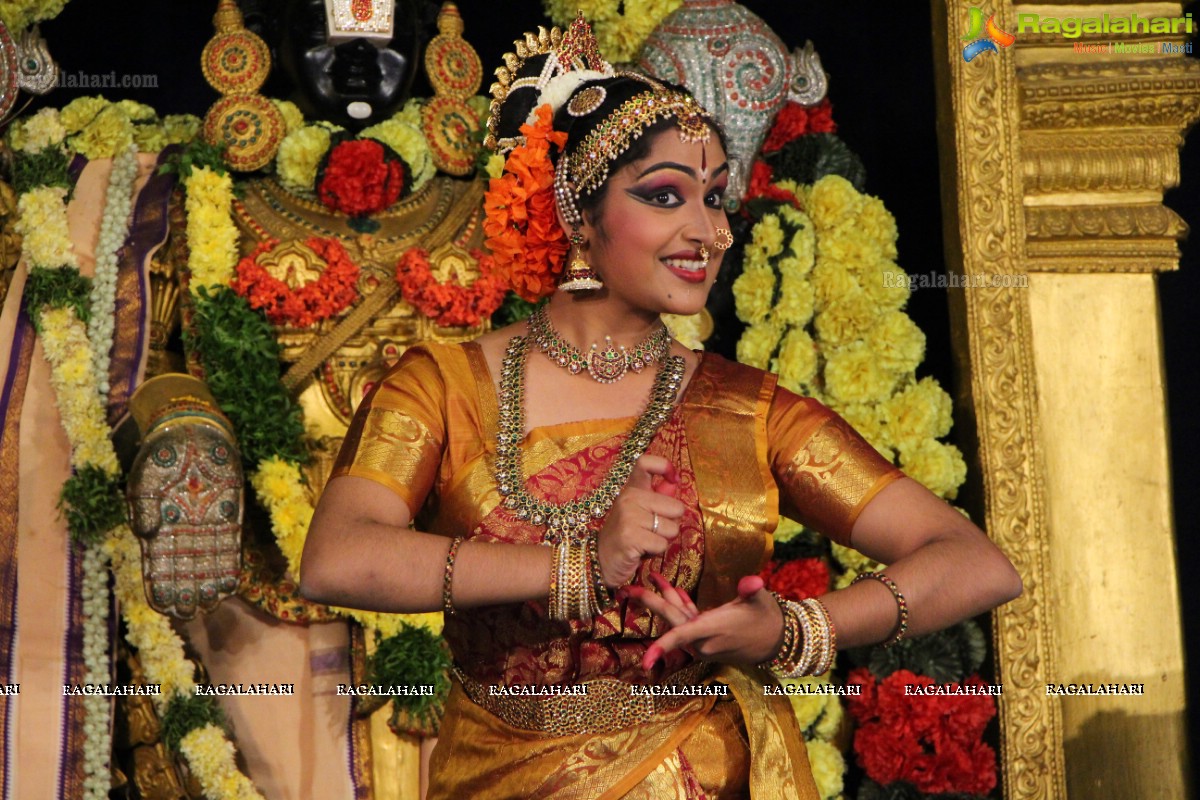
(1054, 163)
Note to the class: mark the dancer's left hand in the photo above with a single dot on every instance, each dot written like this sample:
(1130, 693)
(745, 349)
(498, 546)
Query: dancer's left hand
(747, 630)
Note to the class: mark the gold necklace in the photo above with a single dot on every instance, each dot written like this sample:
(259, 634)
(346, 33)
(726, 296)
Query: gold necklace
(569, 520)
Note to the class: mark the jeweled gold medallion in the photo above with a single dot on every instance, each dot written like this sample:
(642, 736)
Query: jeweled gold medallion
(451, 128)
(586, 101)
(607, 365)
(237, 62)
(248, 126)
(453, 66)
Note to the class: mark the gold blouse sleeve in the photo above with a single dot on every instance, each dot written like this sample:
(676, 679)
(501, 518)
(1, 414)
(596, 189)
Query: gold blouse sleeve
(826, 471)
(398, 433)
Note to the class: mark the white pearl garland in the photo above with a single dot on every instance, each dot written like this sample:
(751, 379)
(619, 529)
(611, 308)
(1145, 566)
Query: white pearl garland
(97, 717)
(114, 227)
(97, 728)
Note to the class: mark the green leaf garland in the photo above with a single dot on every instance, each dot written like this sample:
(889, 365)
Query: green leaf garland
(57, 288)
(93, 503)
(241, 361)
(413, 657)
(186, 713)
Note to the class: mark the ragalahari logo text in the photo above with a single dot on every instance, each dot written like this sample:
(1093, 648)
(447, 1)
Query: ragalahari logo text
(984, 36)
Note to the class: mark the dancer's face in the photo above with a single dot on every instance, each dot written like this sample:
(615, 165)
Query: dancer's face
(646, 235)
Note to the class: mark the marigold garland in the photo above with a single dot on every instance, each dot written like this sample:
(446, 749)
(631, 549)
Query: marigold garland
(449, 304)
(523, 234)
(211, 235)
(211, 759)
(329, 295)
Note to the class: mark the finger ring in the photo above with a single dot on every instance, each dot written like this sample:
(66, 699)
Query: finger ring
(654, 527)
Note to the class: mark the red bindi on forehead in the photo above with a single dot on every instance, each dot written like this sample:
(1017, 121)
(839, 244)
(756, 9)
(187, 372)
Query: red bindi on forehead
(703, 162)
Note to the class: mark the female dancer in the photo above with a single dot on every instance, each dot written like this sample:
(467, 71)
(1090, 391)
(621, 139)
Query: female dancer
(590, 502)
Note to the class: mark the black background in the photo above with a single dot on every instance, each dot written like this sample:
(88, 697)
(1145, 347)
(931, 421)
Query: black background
(882, 88)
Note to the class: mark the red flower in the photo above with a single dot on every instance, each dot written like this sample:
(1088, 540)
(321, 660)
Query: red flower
(361, 178)
(795, 120)
(929, 740)
(761, 175)
(326, 297)
(798, 578)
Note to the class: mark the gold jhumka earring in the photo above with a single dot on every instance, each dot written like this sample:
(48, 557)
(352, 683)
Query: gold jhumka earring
(579, 276)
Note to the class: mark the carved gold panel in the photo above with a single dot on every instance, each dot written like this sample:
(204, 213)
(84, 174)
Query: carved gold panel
(1054, 163)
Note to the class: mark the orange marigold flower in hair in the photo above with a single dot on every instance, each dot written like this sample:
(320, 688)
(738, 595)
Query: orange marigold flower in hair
(528, 245)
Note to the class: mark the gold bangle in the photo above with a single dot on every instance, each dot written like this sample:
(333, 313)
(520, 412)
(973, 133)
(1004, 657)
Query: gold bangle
(786, 662)
(901, 603)
(601, 595)
(560, 608)
(448, 577)
(827, 636)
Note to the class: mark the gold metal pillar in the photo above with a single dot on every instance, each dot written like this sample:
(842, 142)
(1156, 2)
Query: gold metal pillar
(1054, 164)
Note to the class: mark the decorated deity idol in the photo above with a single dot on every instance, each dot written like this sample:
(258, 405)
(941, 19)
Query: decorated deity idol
(737, 67)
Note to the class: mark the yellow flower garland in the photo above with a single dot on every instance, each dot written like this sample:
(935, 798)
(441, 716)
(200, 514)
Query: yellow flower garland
(837, 331)
(210, 757)
(68, 352)
(211, 234)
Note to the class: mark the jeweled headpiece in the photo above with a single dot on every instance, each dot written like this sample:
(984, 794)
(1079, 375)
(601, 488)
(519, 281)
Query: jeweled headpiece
(558, 85)
(571, 59)
(588, 166)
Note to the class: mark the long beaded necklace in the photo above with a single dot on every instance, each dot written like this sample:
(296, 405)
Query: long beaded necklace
(569, 520)
(605, 366)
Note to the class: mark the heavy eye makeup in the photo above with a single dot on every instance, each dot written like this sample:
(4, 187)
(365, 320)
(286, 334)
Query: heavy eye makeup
(669, 195)
(658, 193)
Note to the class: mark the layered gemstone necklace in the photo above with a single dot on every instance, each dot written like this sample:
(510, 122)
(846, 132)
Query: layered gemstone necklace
(568, 521)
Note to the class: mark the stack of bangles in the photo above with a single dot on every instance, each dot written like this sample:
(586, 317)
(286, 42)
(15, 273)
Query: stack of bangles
(809, 639)
(577, 589)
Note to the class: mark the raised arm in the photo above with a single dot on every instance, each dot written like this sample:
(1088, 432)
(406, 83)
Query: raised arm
(831, 480)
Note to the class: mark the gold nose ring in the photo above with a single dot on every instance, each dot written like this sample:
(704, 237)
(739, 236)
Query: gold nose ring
(724, 239)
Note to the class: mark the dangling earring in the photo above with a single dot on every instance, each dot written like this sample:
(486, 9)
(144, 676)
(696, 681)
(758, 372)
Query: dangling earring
(579, 277)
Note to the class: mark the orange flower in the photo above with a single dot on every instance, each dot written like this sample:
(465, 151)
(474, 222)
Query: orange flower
(306, 305)
(528, 245)
(449, 305)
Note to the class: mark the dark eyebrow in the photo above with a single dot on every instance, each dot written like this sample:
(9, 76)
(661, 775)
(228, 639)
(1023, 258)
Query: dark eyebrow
(686, 170)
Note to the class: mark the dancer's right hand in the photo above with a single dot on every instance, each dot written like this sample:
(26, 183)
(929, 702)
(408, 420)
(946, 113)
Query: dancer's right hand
(629, 533)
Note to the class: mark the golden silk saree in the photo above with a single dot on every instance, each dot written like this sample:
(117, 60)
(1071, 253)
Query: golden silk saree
(742, 448)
